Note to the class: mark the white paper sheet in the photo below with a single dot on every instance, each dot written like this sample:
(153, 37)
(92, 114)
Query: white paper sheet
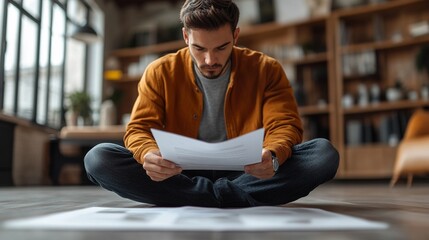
(196, 219)
(193, 154)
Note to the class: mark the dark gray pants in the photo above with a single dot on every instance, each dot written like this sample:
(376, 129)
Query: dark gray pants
(312, 163)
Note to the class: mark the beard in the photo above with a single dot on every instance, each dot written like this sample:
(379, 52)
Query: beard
(211, 71)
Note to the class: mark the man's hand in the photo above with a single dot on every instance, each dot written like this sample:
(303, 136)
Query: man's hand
(264, 169)
(159, 169)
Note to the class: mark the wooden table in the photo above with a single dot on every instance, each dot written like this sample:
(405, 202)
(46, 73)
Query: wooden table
(74, 142)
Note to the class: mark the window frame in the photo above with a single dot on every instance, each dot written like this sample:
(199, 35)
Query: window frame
(37, 19)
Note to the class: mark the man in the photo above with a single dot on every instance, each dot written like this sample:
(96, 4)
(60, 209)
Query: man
(213, 91)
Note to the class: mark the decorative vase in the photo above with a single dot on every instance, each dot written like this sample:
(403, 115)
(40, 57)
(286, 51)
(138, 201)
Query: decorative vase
(424, 92)
(107, 113)
(393, 94)
(71, 118)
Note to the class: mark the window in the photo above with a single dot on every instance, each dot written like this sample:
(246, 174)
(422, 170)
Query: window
(55, 69)
(10, 60)
(27, 69)
(1, 18)
(2, 50)
(41, 63)
(44, 65)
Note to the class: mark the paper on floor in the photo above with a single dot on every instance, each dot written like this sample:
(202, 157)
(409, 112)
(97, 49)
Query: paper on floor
(196, 219)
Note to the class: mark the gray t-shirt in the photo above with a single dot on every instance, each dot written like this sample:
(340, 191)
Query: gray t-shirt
(212, 126)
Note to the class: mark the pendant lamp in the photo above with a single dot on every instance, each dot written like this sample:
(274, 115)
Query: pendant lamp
(86, 34)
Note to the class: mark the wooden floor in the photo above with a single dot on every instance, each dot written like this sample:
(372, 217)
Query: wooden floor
(406, 210)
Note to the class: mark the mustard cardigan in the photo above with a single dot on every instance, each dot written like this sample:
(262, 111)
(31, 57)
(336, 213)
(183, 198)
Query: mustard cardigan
(259, 95)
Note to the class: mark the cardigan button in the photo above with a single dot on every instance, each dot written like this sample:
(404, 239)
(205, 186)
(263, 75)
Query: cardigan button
(195, 116)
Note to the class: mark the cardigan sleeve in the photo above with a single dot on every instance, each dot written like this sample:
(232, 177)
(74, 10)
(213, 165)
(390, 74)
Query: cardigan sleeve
(147, 113)
(282, 123)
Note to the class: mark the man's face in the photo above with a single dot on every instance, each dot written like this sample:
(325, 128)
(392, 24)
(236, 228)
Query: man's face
(210, 50)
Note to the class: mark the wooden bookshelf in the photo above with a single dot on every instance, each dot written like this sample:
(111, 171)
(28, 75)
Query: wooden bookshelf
(383, 31)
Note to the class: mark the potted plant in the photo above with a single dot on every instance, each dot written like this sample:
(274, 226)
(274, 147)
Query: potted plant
(79, 106)
(422, 64)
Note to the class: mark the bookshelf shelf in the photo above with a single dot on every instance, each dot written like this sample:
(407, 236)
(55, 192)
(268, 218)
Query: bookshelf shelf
(384, 45)
(387, 106)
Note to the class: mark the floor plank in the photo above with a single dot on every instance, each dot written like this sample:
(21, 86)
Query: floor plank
(406, 210)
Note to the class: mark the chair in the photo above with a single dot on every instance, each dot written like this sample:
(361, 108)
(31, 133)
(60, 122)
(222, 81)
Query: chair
(413, 150)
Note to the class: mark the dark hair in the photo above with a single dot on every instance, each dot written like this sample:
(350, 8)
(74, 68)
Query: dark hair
(209, 14)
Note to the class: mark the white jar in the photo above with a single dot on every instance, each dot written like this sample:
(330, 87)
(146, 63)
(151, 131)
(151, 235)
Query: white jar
(107, 113)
